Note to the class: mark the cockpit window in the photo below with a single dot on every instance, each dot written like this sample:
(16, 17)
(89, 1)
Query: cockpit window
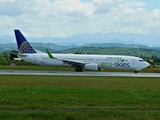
(141, 60)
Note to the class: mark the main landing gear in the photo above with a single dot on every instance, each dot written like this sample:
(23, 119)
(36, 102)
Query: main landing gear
(78, 69)
(135, 71)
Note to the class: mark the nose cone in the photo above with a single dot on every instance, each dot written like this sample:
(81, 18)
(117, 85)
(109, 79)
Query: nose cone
(146, 64)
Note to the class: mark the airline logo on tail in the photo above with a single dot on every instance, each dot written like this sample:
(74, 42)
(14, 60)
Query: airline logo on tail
(23, 44)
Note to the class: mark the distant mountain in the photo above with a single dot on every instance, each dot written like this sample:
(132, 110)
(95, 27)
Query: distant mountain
(7, 39)
(52, 47)
(139, 52)
(39, 46)
(60, 48)
(124, 38)
(116, 45)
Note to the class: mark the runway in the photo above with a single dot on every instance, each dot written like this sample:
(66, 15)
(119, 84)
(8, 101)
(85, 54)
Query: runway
(72, 73)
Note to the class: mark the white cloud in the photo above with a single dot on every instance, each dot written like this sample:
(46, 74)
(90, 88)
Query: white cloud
(156, 13)
(73, 8)
(62, 18)
(2, 1)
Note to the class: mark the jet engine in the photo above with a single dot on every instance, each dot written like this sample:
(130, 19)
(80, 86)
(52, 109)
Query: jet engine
(91, 66)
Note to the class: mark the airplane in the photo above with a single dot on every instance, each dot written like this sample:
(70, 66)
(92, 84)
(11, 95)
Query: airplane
(78, 61)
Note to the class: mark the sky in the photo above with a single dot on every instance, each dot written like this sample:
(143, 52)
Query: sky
(64, 18)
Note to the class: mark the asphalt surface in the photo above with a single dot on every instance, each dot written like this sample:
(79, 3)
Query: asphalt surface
(72, 73)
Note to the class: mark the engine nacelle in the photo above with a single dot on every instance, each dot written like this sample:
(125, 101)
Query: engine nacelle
(91, 66)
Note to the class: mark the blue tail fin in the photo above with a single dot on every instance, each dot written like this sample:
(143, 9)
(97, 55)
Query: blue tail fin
(23, 44)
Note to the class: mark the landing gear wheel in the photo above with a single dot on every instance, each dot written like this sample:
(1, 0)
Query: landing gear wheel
(79, 69)
(135, 71)
(76, 70)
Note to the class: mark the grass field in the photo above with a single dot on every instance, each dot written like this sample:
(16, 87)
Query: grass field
(79, 98)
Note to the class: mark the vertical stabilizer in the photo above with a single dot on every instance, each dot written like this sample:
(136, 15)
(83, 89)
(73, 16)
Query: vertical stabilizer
(24, 46)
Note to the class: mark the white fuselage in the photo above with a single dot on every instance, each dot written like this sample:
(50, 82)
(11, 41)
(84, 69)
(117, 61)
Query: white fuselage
(102, 61)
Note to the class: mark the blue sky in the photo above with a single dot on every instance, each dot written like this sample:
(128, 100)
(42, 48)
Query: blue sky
(151, 4)
(86, 0)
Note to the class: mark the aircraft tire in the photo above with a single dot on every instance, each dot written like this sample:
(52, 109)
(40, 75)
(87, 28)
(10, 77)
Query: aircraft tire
(135, 71)
(78, 69)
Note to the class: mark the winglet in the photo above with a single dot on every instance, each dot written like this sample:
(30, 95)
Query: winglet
(49, 54)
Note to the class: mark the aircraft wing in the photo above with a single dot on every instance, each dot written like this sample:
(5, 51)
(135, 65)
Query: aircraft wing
(69, 62)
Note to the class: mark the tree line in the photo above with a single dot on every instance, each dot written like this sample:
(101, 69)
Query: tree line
(8, 59)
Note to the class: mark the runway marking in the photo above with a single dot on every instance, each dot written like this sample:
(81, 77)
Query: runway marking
(70, 73)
